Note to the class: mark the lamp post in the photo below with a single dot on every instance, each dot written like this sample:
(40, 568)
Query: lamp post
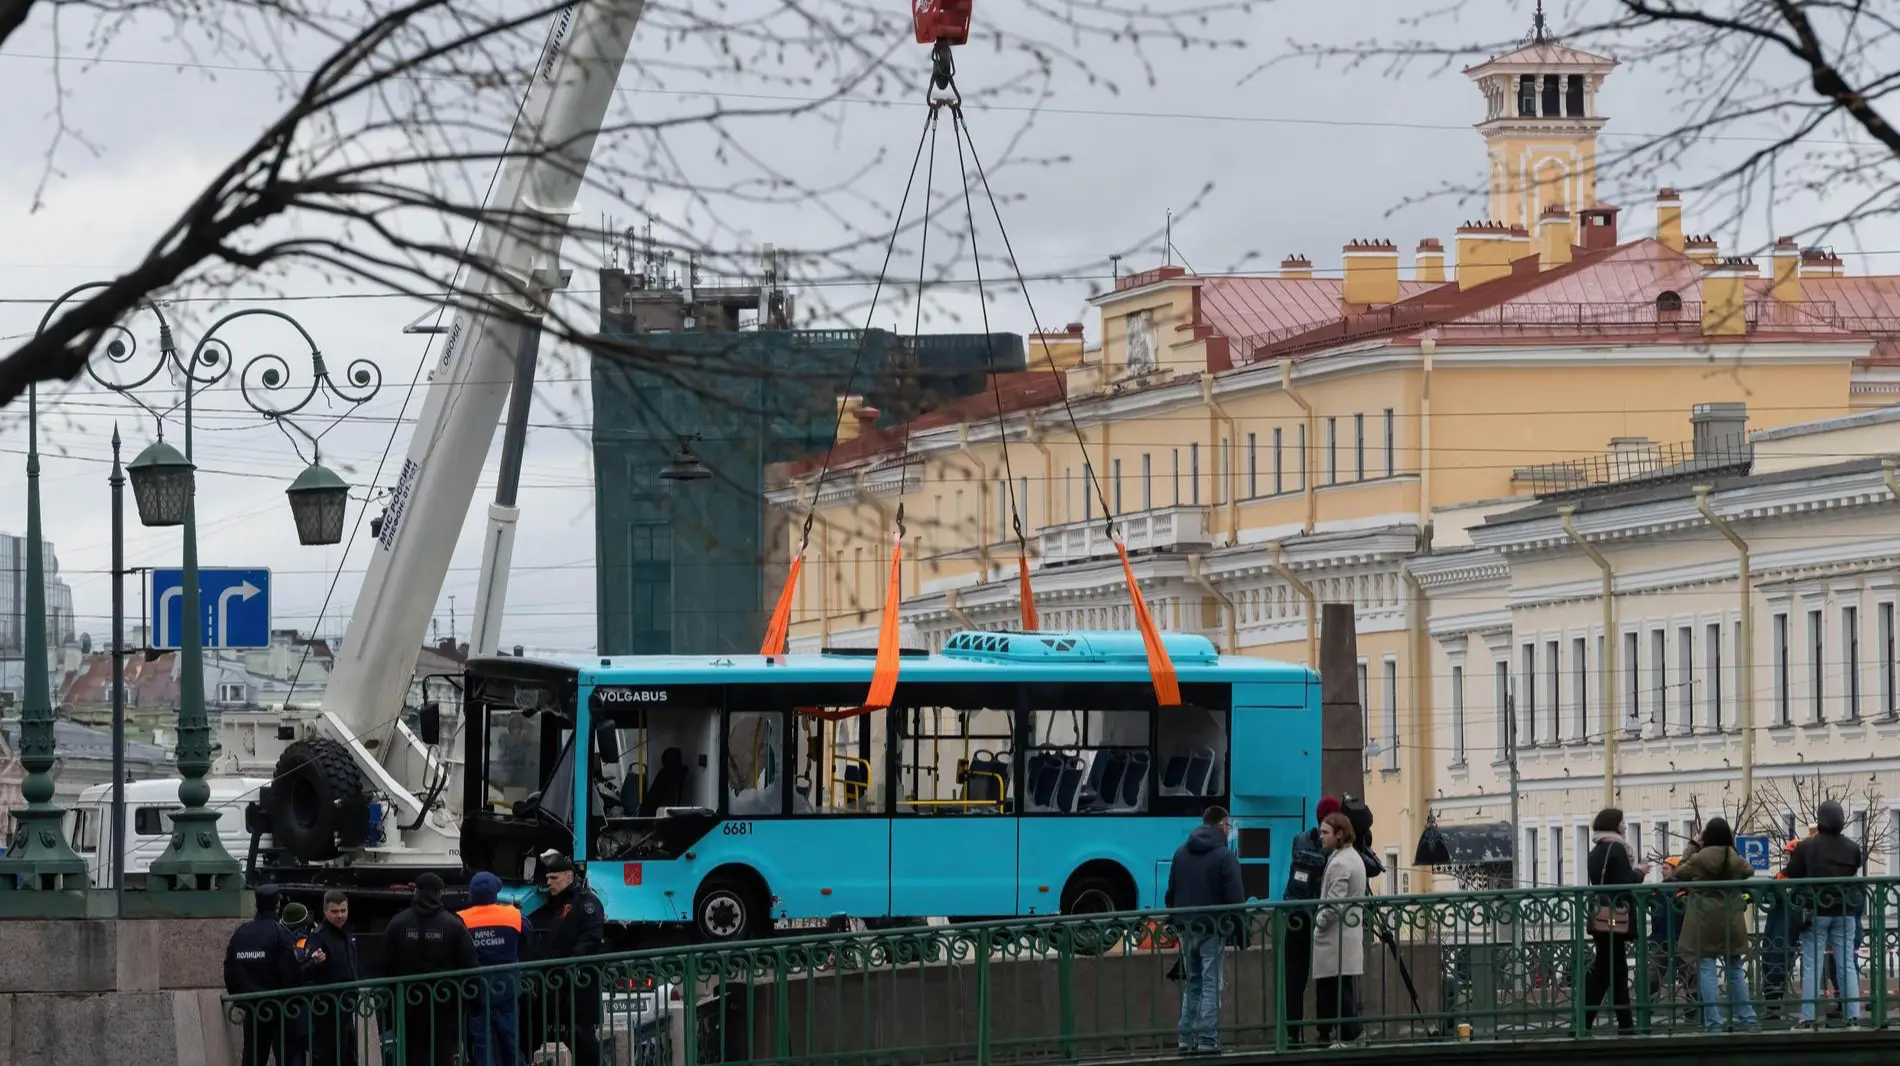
(195, 872)
(40, 874)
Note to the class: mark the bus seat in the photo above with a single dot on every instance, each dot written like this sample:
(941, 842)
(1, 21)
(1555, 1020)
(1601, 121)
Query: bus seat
(1134, 781)
(1097, 779)
(987, 780)
(1174, 776)
(857, 781)
(1045, 772)
(1200, 772)
(1108, 786)
(668, 787)
(1069, 787)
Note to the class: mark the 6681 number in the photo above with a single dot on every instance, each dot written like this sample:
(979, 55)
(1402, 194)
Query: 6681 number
(736, 829)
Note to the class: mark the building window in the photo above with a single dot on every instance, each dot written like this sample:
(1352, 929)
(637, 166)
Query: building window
(1115, 475)
(1390, 443)
(1573, 96)
(1359, 447)
(1535, 853)
(1685, 672)
(1850, 663)
(1176, 475)
(1224, 471)
(1712, 655)
(1253, 466)
(1332, 451)
(1659, 679)
(1022, 500)
(231, 692)
(1279, 466)
(1527, 721)
(1553, 96)
(1391, 668)
(1817, 680)
(1501, 702)
(1784, 711)
(1194, 474)
(1887, 703)
(1633, 677)
(1457, 715)
(1527, 96)
(1088, 491)
(1580, 689)
(1147, 482)
(1303, 465)
(1556, 855)
(1553, 700)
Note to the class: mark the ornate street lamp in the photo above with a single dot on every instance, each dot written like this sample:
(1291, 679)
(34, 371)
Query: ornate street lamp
(685, 465)
(164, 487)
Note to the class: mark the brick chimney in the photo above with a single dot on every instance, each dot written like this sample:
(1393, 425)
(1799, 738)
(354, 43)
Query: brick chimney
(1372, 273)
(1553, 237)
(1598, 227)
(1786, 286)
(1296, 266)
(1725, 296)
(1702, 248)
(1669, 219)
(1429, 261)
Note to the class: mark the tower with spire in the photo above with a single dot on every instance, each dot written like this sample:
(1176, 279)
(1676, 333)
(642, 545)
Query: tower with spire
(1540, 125)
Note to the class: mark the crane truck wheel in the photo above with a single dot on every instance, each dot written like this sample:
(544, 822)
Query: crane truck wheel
(308, 795)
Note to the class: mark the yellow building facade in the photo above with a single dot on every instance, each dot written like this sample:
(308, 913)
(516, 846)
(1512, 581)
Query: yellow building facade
(1267, 444)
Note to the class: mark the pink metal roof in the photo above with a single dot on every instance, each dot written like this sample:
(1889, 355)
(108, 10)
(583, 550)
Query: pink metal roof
(1239, 307)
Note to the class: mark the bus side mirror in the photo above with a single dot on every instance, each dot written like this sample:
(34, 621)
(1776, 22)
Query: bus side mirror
(431, 723)
(607, 743)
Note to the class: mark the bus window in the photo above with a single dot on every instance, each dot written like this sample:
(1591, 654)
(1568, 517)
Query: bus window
(666, 759)
(514, 756)
(1088, 761)
(1191, 751)
(838, 765)
(954, 761)
(151, 822)
(755, 749)
(86, 831)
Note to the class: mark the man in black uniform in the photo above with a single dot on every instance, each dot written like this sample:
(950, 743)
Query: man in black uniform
(262, 957)
(421, 940)
(571, 926)
(332, 960)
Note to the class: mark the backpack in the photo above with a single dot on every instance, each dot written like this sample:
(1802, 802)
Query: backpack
(1360, 816)
(1308, 867)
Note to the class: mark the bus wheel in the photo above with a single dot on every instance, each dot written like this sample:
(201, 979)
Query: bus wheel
(1090, 893)
(730, 908)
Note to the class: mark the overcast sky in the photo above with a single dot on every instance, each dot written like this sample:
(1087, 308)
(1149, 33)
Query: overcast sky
(1302, 159)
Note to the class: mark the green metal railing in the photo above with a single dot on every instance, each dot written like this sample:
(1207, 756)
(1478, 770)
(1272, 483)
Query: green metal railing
(1468, 967)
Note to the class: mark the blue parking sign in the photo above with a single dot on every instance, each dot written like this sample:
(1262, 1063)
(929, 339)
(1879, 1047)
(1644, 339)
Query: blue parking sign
(1755, 850)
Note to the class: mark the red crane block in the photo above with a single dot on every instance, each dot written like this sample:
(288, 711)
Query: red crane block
(946, 21)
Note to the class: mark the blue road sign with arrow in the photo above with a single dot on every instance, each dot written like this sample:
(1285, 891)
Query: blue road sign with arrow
(235, 605)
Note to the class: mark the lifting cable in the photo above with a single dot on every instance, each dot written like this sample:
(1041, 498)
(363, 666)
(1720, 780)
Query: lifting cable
(1160, 664)
(885, 669)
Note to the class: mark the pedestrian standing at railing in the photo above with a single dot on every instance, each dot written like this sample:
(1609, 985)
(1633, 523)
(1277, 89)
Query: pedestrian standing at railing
(1339, 936)
(333, 1023)
(261, 957)
(496, 929)
(1836, 910)
(575, 929)
(421, 940)
(1204, 873)
(1303, 882)
(1611, 863)
(1715, 926)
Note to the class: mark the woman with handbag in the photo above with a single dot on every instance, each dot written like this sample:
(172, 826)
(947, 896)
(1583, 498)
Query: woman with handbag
(1611, 862)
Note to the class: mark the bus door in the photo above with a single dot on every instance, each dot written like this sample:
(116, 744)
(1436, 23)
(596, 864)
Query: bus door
(1275, 778)
(953, 830)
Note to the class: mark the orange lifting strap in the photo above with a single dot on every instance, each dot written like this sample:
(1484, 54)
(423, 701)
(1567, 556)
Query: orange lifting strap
(1028, 597)
(889, 654)
(1167, 687)
(779, 629)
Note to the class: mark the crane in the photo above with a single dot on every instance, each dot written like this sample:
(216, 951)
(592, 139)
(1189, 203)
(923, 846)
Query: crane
(357, 746)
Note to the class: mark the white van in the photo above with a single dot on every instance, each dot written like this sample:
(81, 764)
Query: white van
(148, 823)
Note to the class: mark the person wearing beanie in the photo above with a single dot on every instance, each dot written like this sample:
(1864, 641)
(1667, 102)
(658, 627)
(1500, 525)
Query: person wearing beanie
(496, 929)
(422, 940)
(1829, 854)
(261, 957)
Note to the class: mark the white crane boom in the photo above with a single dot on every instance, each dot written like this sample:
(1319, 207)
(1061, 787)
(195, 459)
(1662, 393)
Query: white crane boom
(518, 246)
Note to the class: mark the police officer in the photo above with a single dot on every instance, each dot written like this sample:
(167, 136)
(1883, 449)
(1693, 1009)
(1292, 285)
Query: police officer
(262, 957)
(572, 926)
(295, 917)
(333, 961)
(420, 940)
(496, 929)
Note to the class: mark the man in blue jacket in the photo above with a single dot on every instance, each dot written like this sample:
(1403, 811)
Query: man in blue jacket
(1204, 873)
(496, 928)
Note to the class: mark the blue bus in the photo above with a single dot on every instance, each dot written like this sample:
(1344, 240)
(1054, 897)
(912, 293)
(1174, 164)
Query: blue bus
(1013, 774)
